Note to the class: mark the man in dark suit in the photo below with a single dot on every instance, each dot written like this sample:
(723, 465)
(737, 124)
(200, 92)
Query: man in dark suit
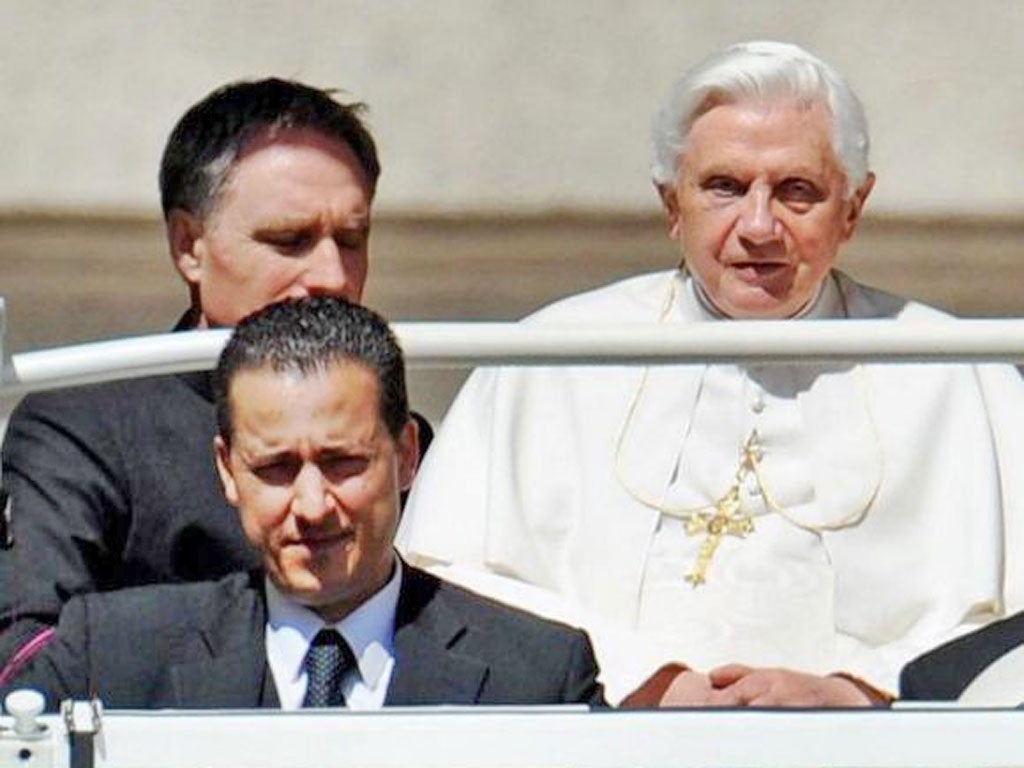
(266, 190)
(989, 661)
(314, 445)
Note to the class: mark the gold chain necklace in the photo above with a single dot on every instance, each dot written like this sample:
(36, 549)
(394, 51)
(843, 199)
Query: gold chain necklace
(726, 516)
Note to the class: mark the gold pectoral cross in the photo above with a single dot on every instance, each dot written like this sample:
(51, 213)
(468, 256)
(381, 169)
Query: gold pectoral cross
(727, 520)
(725, 517)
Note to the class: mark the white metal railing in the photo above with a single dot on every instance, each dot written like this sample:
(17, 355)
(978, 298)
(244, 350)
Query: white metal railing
(449, 344)
(538, 738)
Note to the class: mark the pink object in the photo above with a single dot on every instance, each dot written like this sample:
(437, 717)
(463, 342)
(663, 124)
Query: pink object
(25, 653)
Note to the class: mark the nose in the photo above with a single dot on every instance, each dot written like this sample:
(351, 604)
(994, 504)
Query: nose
(311, 501)
(327, 272)
(757, 221)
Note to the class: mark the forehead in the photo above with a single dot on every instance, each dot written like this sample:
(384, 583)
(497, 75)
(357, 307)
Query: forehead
(345, 392)
(295, 170)
(788, 135)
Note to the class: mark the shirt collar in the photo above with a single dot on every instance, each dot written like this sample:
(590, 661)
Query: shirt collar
(369, 630)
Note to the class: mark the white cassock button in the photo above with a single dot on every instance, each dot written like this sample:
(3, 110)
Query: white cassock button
(757, 402)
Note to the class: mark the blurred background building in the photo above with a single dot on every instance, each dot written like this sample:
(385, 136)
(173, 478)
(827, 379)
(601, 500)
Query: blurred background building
(514, 140)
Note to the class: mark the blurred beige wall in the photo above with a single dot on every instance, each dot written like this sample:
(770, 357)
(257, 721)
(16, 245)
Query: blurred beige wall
(516, 106)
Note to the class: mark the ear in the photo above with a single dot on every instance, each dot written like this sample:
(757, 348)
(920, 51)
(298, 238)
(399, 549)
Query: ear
(670, 202)
(856, 206)
(408, 453)
(227, 477)
(185, 239)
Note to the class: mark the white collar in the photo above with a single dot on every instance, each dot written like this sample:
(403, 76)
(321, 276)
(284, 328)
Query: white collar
(369, 630)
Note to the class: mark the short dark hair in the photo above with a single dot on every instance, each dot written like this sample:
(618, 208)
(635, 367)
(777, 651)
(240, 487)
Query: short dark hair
(311, 334)
(209, 137)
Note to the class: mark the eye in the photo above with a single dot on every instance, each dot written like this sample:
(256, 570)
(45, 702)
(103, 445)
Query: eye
(287, 240)
(724, 186)
(351, 239)
(338, 466)
(800, 191)
(277, 472)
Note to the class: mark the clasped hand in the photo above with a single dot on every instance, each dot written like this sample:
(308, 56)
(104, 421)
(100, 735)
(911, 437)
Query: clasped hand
(737, 685)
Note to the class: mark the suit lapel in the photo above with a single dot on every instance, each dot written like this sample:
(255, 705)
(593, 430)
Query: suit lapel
(429, 666)
(224, 663)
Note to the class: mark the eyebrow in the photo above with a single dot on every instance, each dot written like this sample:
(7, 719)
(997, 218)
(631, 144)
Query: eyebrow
(820, 180)
(359, 223)
(261, 454)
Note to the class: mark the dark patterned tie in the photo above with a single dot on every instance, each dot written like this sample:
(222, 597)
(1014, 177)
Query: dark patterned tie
(327, 661)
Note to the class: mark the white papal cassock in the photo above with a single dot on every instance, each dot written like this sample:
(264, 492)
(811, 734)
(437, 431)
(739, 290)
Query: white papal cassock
(884, 498)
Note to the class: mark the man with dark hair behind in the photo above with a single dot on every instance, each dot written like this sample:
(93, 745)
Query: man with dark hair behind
(314, 445)
(258, 173)
(267, 188)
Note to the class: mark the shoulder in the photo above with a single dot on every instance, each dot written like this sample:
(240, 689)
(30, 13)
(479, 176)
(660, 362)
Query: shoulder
(638, 299)
(93, 403)
(104, 421)
(502, 654)
(634, 299)
(867, 302)
(165, 607)
(500, 622)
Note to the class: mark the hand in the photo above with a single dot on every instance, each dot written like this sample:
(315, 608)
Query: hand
(738, 685)
(673, 685)
(692, 689)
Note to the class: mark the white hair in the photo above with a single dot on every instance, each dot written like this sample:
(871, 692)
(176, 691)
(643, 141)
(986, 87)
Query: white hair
(761, 70)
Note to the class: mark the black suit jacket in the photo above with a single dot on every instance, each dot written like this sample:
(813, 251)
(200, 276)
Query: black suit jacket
(945, 672)
(113, 485)
(202, 645)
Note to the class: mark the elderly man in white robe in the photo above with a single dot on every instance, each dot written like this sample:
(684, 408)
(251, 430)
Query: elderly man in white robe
(790, 535)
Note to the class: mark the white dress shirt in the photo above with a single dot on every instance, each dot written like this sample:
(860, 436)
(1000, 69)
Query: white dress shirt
(369, 630)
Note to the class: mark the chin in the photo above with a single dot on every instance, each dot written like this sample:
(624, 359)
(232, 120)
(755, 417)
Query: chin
(759, 306)
(761, 300)
(305, 583)
(303, 589)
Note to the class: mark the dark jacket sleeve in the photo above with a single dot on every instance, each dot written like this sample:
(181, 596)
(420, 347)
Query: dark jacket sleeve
(913, 682)
(581, 685)
(111, 486)
(125, 647)
(945, 672)
(59, 670)
(61, 470)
